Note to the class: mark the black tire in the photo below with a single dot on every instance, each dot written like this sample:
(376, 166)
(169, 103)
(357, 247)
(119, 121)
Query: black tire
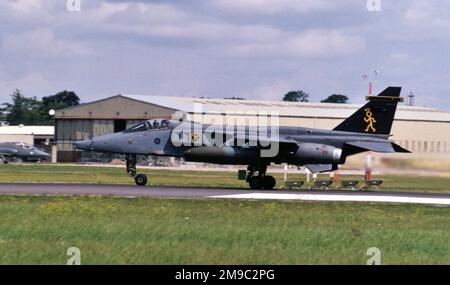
(140, 179)
(269, 182)
(255, 183)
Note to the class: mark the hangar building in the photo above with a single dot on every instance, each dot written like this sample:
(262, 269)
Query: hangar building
(419, 129)
(35, 135)
(40, 136)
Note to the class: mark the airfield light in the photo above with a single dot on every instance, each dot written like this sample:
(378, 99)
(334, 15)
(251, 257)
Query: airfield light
(376, 72)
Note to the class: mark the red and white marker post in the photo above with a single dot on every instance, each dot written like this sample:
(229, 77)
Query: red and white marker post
(368, 176)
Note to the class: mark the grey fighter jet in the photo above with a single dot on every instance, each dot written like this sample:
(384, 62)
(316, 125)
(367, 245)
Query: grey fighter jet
(19, 151)
(368, 129)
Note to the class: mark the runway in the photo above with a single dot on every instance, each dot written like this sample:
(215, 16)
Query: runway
(221, 193)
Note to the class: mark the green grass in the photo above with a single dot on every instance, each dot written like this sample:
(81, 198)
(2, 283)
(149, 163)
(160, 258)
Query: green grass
(47, 173)
(38, 230)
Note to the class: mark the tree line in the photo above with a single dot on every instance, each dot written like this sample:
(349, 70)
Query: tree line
(32, 111)
(301, 96)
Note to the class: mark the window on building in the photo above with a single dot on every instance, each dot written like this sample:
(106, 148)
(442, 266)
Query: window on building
(120, 125)
(39, 141)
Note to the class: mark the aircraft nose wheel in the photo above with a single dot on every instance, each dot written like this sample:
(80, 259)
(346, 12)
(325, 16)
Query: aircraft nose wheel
(140, 179)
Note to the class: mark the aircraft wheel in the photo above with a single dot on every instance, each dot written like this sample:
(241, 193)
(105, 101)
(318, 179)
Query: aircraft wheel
(140, 179)
(269, 182)
(255, 183)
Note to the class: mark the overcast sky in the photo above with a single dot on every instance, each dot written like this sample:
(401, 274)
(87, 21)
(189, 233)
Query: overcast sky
(223, 48)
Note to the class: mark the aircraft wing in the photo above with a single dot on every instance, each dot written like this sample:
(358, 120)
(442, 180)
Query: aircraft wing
(4, 151)
(378, 146)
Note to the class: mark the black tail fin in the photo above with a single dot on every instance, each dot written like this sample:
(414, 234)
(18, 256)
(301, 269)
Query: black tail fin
(376, 116)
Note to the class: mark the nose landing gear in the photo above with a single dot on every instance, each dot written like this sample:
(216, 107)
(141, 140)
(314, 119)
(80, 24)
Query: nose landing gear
(139, 179)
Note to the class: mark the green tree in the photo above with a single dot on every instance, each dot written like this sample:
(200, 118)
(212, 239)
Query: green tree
(64, 98)
(296, 96)
(58, 101)
(336, 98)
(23, 110)
(31, 111)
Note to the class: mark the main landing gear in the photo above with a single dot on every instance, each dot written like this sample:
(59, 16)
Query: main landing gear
(140, 179)
(260, 181)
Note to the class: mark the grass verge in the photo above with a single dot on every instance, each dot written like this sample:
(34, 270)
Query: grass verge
(38, 230)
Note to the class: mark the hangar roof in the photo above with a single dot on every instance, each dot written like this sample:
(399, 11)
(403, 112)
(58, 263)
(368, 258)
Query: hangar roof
(115, 107)
(289, 109)
(27, 130)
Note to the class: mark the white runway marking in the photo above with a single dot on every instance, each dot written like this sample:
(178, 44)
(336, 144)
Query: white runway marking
(340, 198)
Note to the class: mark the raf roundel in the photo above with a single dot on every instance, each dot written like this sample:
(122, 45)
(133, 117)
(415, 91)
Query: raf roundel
(157, 141)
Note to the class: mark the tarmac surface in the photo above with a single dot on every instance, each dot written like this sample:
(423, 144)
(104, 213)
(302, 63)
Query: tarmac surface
(222, 193)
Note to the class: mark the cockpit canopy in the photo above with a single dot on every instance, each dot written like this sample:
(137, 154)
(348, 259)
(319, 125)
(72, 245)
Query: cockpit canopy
(24, 145)
(154, 124)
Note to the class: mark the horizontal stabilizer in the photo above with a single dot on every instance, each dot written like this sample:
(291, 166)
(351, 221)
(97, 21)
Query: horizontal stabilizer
(318, 168)
(398, 148)
(385, 147)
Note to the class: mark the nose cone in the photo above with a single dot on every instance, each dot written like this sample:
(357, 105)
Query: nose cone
(84, 144)
(110, 143)
(36, 153)
(43, 154)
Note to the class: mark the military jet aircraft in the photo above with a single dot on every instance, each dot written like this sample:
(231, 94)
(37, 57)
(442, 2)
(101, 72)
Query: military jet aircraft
(368, 129)
(19, 151)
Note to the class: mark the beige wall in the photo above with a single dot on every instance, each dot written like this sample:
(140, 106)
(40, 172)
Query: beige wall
(423, 137)
(17, 138)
